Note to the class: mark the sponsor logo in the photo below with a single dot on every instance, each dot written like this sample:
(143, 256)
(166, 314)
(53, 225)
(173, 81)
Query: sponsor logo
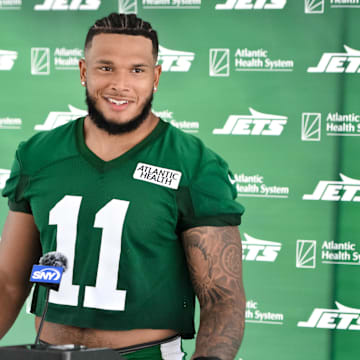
(171, 4)
(255, 124)
(253, 314)
(318, 6)
(7, 59)
(219, 62)
(343, 253)
(128, 7)
(4, 175)
(310, 127)
(255, 186)
(343, 125)
(342, 318)
(58, 118)
(157, 175)
(175, 61)
(40, 61)
(64, 59)
(10, 123)
(251, 4)
(345, 3)
(348, 62)
(347, 189)
(336, 125)
(314, 6)
(67, 59)
(259, 60)
(46, 274)
(306, 254)
(10, 4)
(186, 126)
(260, 250)
(68, 5)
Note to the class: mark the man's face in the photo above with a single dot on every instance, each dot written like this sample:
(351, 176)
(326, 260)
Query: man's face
(120, 75)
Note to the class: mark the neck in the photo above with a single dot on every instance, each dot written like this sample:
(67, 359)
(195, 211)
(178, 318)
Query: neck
(108, 147)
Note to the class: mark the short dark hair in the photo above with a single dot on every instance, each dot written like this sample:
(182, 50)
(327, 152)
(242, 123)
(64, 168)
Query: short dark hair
(128, 24)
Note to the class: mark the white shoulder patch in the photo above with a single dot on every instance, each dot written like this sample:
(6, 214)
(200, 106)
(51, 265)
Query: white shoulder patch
(157, 175)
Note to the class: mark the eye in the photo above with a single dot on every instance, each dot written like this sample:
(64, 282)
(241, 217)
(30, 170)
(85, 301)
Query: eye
(137, 70)
(105, 68)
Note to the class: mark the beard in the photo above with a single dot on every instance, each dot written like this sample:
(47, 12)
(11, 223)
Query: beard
(111, 127)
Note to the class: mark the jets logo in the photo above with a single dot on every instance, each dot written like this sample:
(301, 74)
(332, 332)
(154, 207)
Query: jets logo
(58, 118)
(175, 61)
(256, 124)
(4, 175)
(342, 318)
(347, 189)
(251, 4)
(348, 62)
(260, 250)
(68, 5)
(7, 59)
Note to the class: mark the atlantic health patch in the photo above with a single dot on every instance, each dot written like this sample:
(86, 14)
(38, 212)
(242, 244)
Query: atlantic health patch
(157, 175)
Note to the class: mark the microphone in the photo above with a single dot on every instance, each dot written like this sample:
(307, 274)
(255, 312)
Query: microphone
(48, 274)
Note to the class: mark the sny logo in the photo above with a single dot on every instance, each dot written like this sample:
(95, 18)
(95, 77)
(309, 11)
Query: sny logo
(173, 60)
(331, 190)
(219, 62)
(251, 4)
(68, 5)
(58, 118)
(260, 250)
(343, 318)
(7, 59)
(348, 62)
(255, 124)
(46, 274)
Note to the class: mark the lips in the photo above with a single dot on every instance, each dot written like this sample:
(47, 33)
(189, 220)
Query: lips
(118, 104)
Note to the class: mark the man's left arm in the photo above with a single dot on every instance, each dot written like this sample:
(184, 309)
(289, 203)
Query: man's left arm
(214, 258)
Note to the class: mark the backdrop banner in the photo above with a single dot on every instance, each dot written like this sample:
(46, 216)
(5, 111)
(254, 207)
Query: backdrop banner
(270, 85)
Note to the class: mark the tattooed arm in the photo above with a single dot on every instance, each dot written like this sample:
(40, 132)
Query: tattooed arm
(214, 260)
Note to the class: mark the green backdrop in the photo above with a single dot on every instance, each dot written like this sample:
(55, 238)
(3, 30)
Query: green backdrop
(272, 86)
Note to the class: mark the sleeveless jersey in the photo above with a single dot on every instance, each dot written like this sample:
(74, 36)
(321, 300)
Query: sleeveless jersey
(118, 223)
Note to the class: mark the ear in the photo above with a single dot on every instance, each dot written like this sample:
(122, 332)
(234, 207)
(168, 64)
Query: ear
(157, 73)
(82, 67)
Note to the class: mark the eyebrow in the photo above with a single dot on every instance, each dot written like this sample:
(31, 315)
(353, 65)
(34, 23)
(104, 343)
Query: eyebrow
(109, 62)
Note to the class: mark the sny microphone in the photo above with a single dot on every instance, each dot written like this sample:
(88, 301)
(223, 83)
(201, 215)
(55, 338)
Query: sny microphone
(48, 274)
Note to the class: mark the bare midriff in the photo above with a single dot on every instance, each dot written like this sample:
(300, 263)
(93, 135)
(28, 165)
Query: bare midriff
(59, 334)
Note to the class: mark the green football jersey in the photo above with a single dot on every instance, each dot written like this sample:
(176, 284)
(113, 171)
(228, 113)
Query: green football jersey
(118, 223)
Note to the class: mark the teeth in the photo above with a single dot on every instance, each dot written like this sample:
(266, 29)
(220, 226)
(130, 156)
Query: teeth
(116, 102)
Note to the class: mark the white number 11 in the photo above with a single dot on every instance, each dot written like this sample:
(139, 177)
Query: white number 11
(110, 218)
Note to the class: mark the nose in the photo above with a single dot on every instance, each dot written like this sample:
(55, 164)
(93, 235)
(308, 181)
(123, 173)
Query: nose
(120, 81)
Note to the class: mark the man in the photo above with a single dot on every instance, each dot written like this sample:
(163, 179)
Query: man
(138, 208)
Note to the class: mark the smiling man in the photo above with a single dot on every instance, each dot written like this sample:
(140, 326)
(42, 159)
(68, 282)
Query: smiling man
(144, 213)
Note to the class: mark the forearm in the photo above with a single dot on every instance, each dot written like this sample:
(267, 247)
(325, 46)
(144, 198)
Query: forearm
(221, 331)
(11, 301)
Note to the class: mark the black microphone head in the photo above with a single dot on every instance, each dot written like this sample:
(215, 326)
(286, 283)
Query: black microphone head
(54, 258)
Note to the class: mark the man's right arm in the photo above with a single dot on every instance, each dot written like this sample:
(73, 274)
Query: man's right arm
(19, 249)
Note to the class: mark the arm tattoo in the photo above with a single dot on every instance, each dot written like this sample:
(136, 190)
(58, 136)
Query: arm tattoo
(214, 259)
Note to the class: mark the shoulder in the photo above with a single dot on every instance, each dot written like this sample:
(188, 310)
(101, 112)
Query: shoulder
(46, 146)
(191, 150)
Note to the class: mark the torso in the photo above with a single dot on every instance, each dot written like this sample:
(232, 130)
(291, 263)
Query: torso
(59, 334)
